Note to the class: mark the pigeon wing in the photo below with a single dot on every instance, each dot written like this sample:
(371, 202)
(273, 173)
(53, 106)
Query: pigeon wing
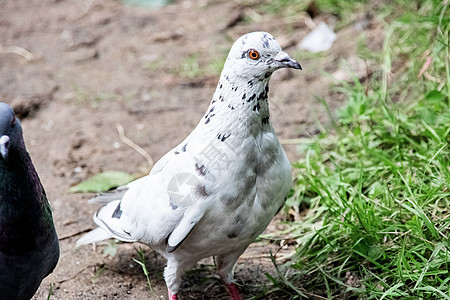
(161, 207)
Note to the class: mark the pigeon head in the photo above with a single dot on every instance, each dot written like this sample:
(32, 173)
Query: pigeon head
(256, 55)
(10, 130)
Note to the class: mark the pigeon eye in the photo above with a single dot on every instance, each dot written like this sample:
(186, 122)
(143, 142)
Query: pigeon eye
(253, 54)
(13, 122)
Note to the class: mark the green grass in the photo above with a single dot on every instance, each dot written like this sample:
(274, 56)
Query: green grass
(50, 291)
(191, 67)
(343, 10)
(81, 95)
(142, 263)
(376, 186)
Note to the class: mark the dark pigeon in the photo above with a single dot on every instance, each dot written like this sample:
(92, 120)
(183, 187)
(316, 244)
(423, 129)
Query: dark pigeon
(29, 248)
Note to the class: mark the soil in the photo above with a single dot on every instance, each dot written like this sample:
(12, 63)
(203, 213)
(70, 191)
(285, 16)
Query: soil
(73, 69)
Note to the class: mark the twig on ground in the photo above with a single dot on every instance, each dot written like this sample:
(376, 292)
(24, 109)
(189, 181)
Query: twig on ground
(76, 274)
(133, 145)
(75, 234)
(17, 50)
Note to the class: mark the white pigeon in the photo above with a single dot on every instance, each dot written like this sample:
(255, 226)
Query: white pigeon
(215, 192)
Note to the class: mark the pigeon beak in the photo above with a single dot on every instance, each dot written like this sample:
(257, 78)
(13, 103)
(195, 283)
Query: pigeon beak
(4, 145)
(285, 61)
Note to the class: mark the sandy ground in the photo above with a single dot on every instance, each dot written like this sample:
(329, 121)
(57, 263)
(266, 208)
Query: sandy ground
(73, 69)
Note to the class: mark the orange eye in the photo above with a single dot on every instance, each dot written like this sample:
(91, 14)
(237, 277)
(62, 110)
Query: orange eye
(253, 54)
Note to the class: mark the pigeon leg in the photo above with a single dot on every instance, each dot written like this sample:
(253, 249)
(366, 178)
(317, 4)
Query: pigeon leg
(225, 266)
(172, 275)
(172, 296)
(233, 291)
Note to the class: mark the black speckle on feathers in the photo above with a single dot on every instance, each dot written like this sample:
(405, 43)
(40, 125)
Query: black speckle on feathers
(201, 170)
(265, 41)
(209, 115)
(173, 206)
(232, 235)
(200, 191)
(117, 212)
(223, 137)
(236, 229)
(227, 201)
(209, 118)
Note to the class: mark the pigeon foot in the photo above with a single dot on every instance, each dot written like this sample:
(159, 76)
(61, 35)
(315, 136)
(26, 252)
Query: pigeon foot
(233, 291)
(173, 296)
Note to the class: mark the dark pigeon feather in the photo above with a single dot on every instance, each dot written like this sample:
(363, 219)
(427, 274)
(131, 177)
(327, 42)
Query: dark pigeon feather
(29, 248)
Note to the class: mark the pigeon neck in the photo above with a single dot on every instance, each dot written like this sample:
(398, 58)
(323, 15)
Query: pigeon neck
(24, 210)
(239, 107)
(18, 171)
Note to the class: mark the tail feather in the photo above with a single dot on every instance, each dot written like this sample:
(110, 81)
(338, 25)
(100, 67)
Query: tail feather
(111, 222)
(94, 236)
(110, 219)
(107, 197)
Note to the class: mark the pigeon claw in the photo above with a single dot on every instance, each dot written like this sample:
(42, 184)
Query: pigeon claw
(233, 291)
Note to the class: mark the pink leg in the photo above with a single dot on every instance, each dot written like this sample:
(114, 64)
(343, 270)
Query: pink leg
(172, 296)
(225, 265)
(233, 291)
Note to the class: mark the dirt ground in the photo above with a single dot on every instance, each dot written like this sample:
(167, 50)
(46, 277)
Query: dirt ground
(73, 69)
